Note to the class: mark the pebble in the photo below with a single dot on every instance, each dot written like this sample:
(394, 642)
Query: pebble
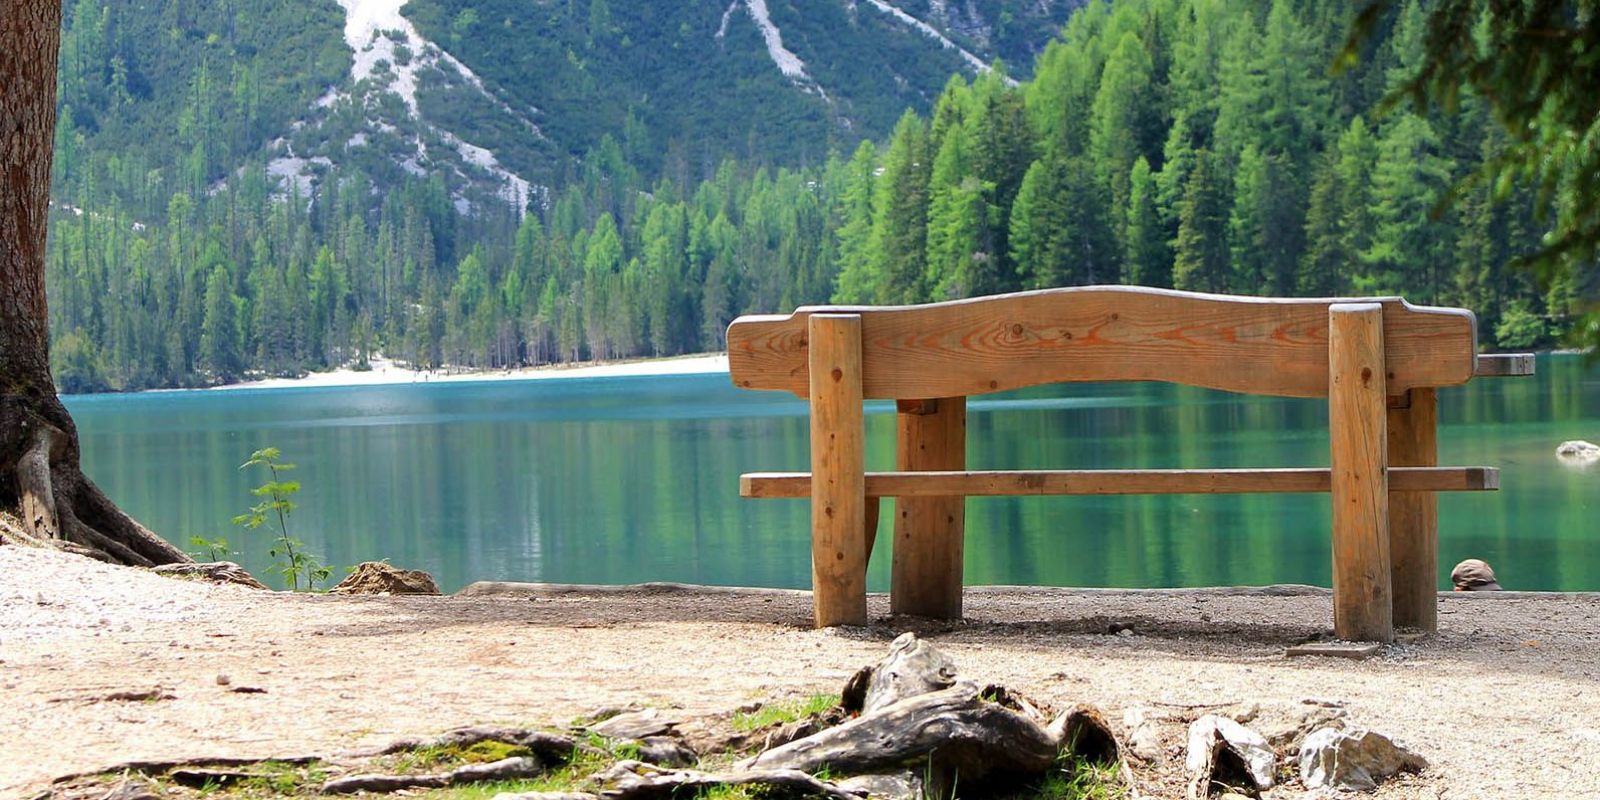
(223, 679)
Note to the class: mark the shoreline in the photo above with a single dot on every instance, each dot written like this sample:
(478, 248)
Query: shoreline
(385, 372)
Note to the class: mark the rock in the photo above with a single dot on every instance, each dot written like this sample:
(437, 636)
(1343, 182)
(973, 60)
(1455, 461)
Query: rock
(131, 790)
(1287, 738)
(665, 751)
(634, 725)
(213, 571)
(1578, 450)
(1352, 760)
(376, 577)
(223, 679)
(1144, 737)
(898, 786)
(1223, 751)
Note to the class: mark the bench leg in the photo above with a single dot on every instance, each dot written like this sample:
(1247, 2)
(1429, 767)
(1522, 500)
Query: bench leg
(1363, 603)
(838, 471)
(929, 531)
(1414, 516)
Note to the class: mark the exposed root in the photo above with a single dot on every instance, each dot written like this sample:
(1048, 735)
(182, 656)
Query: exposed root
(58, 507)
(37, 496)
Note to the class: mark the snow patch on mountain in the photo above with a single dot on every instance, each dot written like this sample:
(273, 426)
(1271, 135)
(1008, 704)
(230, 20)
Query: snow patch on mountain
(389, 55)
(788, 63)
(932, 33)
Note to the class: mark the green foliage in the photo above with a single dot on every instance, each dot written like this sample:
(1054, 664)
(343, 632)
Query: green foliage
(1533, 63)
(296, 563)
(214, 549)
(1520, 328)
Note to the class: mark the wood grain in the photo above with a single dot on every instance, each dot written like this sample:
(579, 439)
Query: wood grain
(1363, 601)
(1504, 365)
(1105, 333)
(929, 530)
(1006, 483)
(1414, 516)
(838, 460)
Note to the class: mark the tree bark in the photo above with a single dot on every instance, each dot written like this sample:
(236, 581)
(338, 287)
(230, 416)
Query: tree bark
(40, 478)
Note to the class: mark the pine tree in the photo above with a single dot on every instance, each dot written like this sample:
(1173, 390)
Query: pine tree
(1201, 258)
(219, 339)
(1149, 262)
(855, 282)
(900, 216)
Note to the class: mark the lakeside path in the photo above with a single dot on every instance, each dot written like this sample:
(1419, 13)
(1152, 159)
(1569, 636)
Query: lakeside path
(1501, 702)
(387, 373)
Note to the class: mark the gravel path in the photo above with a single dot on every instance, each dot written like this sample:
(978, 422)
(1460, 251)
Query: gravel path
(1504, 702)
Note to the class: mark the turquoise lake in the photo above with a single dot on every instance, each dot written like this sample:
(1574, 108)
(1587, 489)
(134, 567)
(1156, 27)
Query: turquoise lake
(624, 480)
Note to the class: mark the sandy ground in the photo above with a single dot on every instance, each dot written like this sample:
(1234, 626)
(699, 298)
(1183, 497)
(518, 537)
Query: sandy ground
(1503, 702)
(384, 372)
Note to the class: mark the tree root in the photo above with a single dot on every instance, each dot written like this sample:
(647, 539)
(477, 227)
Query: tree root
(503, 770)
(59, 507)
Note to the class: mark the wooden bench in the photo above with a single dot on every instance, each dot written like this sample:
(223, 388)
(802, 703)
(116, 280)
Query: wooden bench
(1377, 360)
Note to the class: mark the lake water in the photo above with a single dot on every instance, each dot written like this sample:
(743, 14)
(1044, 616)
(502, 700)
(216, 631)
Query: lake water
(622, 480)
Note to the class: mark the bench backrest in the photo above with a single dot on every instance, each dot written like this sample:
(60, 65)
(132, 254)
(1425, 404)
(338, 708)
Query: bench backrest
(1251, 345)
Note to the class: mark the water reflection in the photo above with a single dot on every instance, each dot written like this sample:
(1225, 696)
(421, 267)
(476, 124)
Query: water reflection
(632, 479)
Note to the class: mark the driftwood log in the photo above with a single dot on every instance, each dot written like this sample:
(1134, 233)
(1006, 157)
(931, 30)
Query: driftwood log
(968, 733)
(912, 667)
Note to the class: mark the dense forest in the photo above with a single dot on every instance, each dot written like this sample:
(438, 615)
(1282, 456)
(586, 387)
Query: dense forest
(1188, 143)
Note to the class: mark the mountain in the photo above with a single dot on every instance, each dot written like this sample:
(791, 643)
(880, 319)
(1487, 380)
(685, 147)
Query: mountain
(502, 99)
(497, 184)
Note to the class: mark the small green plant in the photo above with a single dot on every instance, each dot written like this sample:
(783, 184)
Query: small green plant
(296, 561)
(214, 549)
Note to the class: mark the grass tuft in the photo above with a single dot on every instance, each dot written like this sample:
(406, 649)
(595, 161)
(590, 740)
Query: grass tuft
(784, 712)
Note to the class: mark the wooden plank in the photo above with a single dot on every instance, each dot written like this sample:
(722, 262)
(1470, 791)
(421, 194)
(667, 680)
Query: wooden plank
(1504, 365)
(1363, 601)
(1105, 333)
(1414, 516)
(838, 459)
(929, 530)
(1352, 650)
(1120, 482)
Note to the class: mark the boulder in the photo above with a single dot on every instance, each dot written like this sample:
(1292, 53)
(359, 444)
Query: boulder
(1352, 760)
(1223, 751)
(1579, 451)
(377, 577)
(213, 571)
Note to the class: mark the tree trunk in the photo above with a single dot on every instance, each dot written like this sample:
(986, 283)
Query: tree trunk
(39, 475)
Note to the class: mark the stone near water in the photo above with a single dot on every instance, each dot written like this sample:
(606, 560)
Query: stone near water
(1578, 450)
(212, 571)
(1219, 746)
(376, 577)
(1352, 760)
